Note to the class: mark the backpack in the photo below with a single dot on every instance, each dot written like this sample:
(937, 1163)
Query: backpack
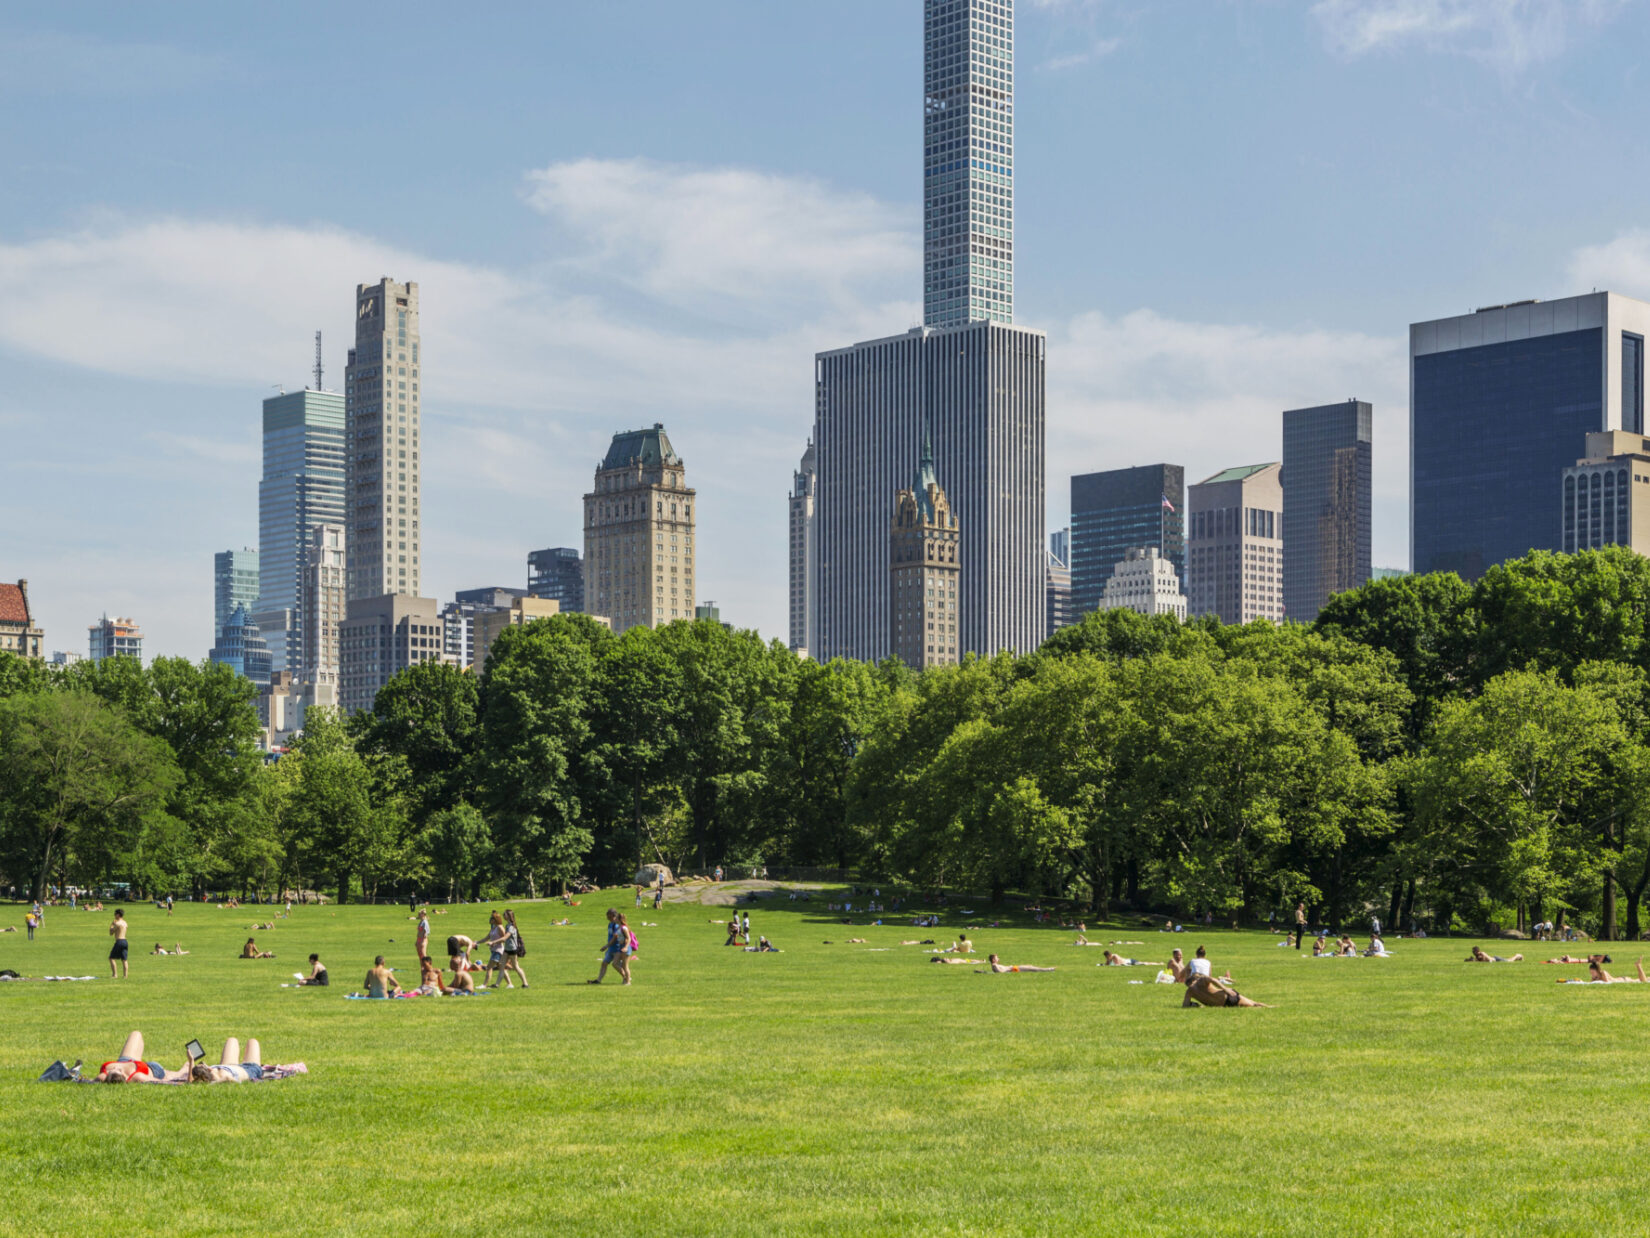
(635, 946)
(521, 945)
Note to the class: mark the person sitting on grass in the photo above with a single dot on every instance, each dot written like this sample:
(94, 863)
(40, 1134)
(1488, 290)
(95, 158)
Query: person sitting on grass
(130, 1067)
(962, 945)
(1000, 968)
(430, 983)
(463, 982)
(251, 951)
(1345, 949)
(1117, 960)
(1377, 949)
(1207, 991)
(1478, 956)
(317, 973)
(381, 981)
(247, 1069)
(764, 946)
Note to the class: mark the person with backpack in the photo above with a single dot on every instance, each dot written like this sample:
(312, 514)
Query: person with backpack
(615, 952)
(631, 948)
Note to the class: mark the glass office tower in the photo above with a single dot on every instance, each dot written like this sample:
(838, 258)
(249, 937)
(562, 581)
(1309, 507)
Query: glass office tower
(1326, 504)
(234, 583)
(1501, 402)
(302, 486)
(1121, 510)
(968, 161)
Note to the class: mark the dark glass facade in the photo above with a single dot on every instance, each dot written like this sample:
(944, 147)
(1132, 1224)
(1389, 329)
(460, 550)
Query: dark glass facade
(1492, 429)
(1119, 509)
(557, 573)
(1327, 466)
(1632, 382)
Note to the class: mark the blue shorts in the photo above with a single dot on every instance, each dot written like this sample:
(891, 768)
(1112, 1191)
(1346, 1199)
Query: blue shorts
(613, 955)
(497, 959)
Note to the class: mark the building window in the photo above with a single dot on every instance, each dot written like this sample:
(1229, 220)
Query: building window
(1632, 383)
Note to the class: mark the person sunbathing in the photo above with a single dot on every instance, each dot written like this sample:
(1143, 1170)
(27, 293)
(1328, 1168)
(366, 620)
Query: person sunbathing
(1565, 958)
(381, 981)
(1207, 991)
(463, 982)
(1478, 956)
(1345, 949)
(430, 983)
(232, 1067)
(317, 974)
(1377, 949)
(962, 945)
(160, 949)
(251, 951)
(1597, 975)
(130, 1067)
(999, 967)
(1117, 960)
(938, 959)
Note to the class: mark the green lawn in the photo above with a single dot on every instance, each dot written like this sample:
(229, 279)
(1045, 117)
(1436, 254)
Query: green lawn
(826, 1089)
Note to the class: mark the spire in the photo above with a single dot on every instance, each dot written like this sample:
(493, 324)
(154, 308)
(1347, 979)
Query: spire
(925, 474)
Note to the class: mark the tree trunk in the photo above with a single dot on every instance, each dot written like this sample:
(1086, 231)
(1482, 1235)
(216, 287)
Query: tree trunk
(343, 886)
(1607, 924)
(1335, 895)
(1396, 906)
(1407, 916)
(1131, 882)
(1635, 893)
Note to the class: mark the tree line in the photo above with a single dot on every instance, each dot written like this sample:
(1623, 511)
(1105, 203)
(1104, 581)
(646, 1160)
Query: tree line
(1428, 749)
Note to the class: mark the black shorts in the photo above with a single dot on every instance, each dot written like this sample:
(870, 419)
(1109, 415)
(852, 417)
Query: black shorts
(119, 949)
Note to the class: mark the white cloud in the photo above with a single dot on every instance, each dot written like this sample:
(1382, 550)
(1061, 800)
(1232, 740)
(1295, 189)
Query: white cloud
(1510, 35)
(1621, 265)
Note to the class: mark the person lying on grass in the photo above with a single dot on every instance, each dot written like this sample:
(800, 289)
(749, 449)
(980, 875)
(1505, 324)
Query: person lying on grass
(938, 959)
(999, 967)
(251, 951)
(130, 1067)
(1207, 991)
(381, 981)
(1478, 956)
(176, 949)
(1597, 975)
(1117, 960)
(1565, 958)
(248, 1069)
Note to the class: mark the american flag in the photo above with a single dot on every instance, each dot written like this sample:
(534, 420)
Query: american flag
(1167, 504)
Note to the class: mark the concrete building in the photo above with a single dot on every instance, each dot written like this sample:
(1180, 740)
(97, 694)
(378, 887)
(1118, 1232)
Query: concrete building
(975, 381)
(302, 486)
(802, 498)
(458, 619)
(234, 583)
(283, 704)
(63, 659)
(490, 623)
(382, 473)
(1058, 593)
(114, 637)
(1603, 499)
(924, 569)
(1327, 473)
(19, 633)
(557, 573)
(1234, 545)
(1499, 401)
(638, 533)
(323, 607)
(968, 161)
(1115, 510)
(1145, 582)
(383, 636)
(242, 648)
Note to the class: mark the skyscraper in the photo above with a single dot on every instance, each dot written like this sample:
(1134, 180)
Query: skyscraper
(383, 636)
(302, 486)
(1057, 592)
(802, 500)
(922, 617)
(1234, 545)
(110, 638)
(557, 573)
(1118, 510)
(322, 610)
(1499, 402)
(381, 399)
(638, 533)
(968, 161)
(242, 648)
(1326, 504)
(234, 583)
(975, 381)
(1145, 583)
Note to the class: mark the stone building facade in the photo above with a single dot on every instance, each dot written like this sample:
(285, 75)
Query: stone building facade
(638, 534)
(924, 571)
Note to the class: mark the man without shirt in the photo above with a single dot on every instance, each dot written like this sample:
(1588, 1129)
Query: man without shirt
(119, 952)
(380, 981)
(1207, 991)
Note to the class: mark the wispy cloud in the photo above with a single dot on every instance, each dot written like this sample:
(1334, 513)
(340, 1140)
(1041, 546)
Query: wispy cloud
(1510, 35)
(1097, 50)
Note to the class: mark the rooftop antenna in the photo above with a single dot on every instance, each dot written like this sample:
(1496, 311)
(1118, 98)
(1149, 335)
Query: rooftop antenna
(317, 361)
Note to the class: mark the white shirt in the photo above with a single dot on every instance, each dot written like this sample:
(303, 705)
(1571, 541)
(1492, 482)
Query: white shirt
(1202, 967)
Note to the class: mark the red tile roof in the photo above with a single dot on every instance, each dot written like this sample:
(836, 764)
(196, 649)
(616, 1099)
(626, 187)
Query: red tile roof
(14, 608)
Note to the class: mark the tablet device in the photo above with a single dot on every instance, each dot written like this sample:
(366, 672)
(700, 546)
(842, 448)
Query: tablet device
(194, 1052)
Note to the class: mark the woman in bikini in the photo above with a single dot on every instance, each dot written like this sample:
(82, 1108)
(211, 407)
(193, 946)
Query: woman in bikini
(1117, 960)
(1478, 956)
(130, 1067)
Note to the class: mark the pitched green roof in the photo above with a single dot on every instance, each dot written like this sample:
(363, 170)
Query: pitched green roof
(646, 446)
(1238, 474)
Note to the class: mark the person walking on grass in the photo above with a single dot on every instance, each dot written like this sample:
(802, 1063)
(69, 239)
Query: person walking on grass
(513, 949)
(1300, 923)
(494, 941)
(659, 894)
(32, 922)
(613, 954)
(119, 952)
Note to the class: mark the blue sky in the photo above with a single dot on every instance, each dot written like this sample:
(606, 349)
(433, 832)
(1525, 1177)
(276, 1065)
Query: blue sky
(625, 213)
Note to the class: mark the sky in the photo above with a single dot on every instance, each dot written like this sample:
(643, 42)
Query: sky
(652, 211)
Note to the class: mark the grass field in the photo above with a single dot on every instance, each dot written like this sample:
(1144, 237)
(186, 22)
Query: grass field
(823, 1090)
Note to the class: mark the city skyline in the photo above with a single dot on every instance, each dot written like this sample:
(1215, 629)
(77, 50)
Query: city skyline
(1176, 331)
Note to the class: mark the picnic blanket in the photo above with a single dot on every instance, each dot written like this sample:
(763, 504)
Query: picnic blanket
(362, 997)
(59, 1073)
(44, 978)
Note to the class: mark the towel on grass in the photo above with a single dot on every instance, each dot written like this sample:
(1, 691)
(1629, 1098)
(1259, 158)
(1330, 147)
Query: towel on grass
(59, 1073)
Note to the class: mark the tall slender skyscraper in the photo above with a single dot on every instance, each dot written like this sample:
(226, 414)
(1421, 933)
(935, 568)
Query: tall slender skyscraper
(802, 550)
(302, 486)
(1327, 470)
(974, 379)
(381, 397)
(968, 158)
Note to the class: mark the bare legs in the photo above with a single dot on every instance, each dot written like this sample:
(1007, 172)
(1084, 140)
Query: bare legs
(132, 1050)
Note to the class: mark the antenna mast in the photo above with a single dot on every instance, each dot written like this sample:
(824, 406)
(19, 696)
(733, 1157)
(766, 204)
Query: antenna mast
(317, 361)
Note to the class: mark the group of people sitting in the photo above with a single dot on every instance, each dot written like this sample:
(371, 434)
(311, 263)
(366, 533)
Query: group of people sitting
(1346, 948)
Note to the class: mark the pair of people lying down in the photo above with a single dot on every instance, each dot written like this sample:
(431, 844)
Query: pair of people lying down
(232, 1067)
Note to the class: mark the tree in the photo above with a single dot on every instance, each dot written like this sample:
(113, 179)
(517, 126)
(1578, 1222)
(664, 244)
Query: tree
(634, 747)
(76, 778)
(459, 845)
(429, 716)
